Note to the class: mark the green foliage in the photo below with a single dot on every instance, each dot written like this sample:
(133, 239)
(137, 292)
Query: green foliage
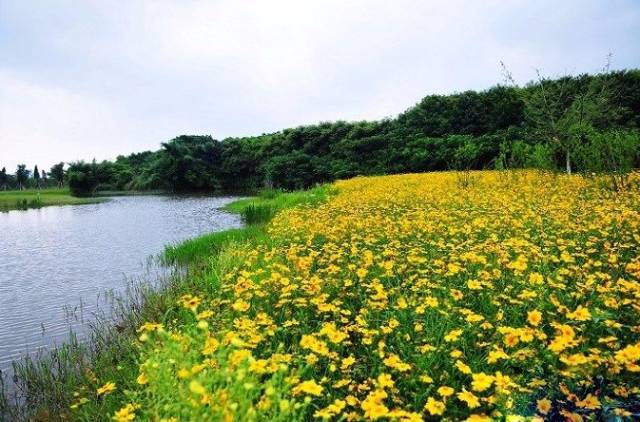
(22, 175)
(82, 178)
(524, 155)
(614, 153)
(4, 178)
(188, 163)
(469, 131)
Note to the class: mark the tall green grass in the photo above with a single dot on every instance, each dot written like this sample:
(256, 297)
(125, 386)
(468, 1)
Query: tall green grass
(261, 209)
(206, 247)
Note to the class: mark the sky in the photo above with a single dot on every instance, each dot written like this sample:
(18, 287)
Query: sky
(95, 79)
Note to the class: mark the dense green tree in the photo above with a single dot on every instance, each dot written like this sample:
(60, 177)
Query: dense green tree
(57, 173)
(4, 179)
(83, 178)
(36, 176)
(22, 176)
(189, 163)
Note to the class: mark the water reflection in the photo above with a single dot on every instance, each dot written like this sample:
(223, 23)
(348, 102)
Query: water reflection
(56, 263)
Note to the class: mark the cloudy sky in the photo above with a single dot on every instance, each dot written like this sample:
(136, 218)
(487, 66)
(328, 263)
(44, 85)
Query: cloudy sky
(85, 79)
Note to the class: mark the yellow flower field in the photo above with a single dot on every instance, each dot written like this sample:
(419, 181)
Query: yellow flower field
(414, 297)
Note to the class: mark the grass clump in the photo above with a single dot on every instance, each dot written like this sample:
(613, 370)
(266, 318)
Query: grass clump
(202, 248)
(269, 202)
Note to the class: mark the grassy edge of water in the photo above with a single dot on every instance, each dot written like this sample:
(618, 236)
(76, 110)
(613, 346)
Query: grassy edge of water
(48, 385)
(32, 198)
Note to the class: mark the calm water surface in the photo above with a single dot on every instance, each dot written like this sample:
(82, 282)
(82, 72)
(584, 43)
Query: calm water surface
(55, 258)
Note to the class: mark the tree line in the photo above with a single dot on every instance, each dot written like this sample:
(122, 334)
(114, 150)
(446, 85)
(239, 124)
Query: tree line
(24, 178)
(585, 123)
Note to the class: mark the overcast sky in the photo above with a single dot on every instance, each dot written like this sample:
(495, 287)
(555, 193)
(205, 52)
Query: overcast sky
(84, 79)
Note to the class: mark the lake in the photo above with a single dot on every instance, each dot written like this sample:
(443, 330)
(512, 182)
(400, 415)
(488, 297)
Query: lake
(55, 260)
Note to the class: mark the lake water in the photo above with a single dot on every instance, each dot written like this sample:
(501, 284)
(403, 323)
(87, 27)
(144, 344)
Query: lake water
(56, 258)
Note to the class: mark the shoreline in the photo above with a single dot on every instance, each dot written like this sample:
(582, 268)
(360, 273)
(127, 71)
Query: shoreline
(48, 384)
(34, 199)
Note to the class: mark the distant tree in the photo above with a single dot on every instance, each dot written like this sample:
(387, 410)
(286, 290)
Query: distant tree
(43, 177)
(565, 111)
(189, 163)
(4, 178)
(36, 176)
(82, 178)
(57, 172)
(613, 153)
(22, 176)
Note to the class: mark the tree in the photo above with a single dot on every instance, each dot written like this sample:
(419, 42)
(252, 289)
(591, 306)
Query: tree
(57, 172)
(613, 153)
(22, 175)
(189, 163)
(82, 178)
(36, 176)
(4, 178)
(43, 177)
(566, 110)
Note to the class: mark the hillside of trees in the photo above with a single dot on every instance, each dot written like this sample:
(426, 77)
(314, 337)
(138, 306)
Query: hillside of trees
(583, 123)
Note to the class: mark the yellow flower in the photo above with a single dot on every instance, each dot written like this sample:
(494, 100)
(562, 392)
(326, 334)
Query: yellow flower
(373, 405)
(332, 333)
(210, 346)
(446, 391)
(434, 407)
(536, 278)
(426, 379)
(590, 402)
(332, 410)
(106, 389)
(197, 388)
(315, 345)
(452, 335)
(496, 355)
(385, 380)
(468, 397)
(125, 414)
(394, 361)
(544, 406)
(580, 314)
(347, 363)
(462, 367)
(481, 381)
(190, 302)
(307, 387)
(534, 317)
(284, 406)
(482, 418)
(241, 306)
(142, 379)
